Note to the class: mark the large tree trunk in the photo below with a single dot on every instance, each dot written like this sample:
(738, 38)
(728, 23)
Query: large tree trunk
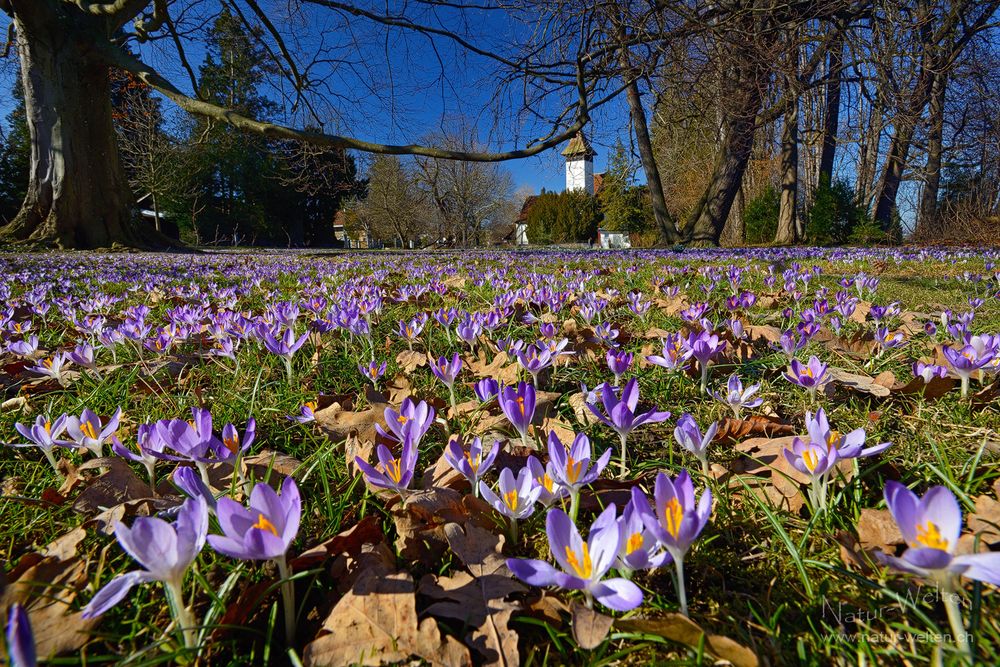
(892, 173)
(78, 196)
(708, 219)
(789, 176)
(831, 117)
(935, 147)
(664, 221)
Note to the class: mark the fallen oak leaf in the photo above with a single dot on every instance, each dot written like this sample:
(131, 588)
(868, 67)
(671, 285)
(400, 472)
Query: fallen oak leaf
(590, 628)
(681, 629)
(755, 426)
(376, 623)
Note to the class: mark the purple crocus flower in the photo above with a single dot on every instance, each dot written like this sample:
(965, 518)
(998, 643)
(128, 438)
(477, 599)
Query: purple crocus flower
(689, 436)
(165, 551)
(88, 432)
(20, 638)
(391, 473)
(446, 371)
(583, 563)
(675, 356)
(192, 441)
(148, 443)
(571, 467)
(618, 363)
(677, 520)
(928, 372)
(810, 376)
(307, 413)
(931, 527)
(965, 361)
(704, 347)
(736, 397)
(372, 371)
(233, 444)
(25, 348)
(543, 479)
(621, 414)
(189, 482)
(486, 389)
(412, 421)
(474, 463)
(640, 550)
(517, 497)
(83, 355)
(44, 435)
(52, 367)
(263, 531)
(534, 359)
(284, 345)
(518, 405)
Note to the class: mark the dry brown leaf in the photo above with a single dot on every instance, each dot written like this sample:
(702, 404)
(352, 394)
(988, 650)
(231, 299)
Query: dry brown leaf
(877, 528)
(764, 332)
(583, 414)
(985, 520)
(350, 541)
(861, 384)
(411, 360)
(500, 369)
(478, 602)
(421, 517)
(754, 426)
(340, 423)
(479, 549)
(376, 623)
(64, 547)
(118, 485)
(681, 629)
(268, 459)
(47, 587)
(590, 628)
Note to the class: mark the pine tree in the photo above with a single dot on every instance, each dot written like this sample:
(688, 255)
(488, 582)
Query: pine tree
(15, 158)
(621, 202)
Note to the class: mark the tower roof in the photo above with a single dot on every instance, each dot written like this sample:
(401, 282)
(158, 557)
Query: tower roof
(579, 146)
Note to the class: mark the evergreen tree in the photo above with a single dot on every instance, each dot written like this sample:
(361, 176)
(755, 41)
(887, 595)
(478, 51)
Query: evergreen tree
(620, 201)
(15, 158)
(238, 172)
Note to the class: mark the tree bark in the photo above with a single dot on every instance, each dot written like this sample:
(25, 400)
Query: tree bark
(739, 125)
(935, 147)
(77, 196)
(789, 176)
(664, 221)
(831, 117)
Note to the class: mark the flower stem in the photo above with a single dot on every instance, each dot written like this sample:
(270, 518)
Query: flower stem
(203, 469)
(288, 369)
(513, 531)
(965, 386)
(451, 396)
(52, 460)
(622, 470)
(681, 591)
(180, 613)
(950, 598)
(287, 599)
(704, 378)
(574, 504)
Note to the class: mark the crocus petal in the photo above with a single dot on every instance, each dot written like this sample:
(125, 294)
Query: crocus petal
(114, 592)
(533, 572)
(981, 567)
(20, 639)
(617, 594)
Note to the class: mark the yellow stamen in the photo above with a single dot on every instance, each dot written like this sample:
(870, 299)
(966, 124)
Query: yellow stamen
(311, 405)
(264, 524)
(583, 571)
(88, 430)
(520, 404)
(510, 498)
(810, 459)
(832, 439)
(402, 419)
(634, 543)
(48, 363)
(929, 535)
(573, 470)
(545, 481)
(674, 516)
(473, 462)
(48, 427)
(394, 470)
(232, 444)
